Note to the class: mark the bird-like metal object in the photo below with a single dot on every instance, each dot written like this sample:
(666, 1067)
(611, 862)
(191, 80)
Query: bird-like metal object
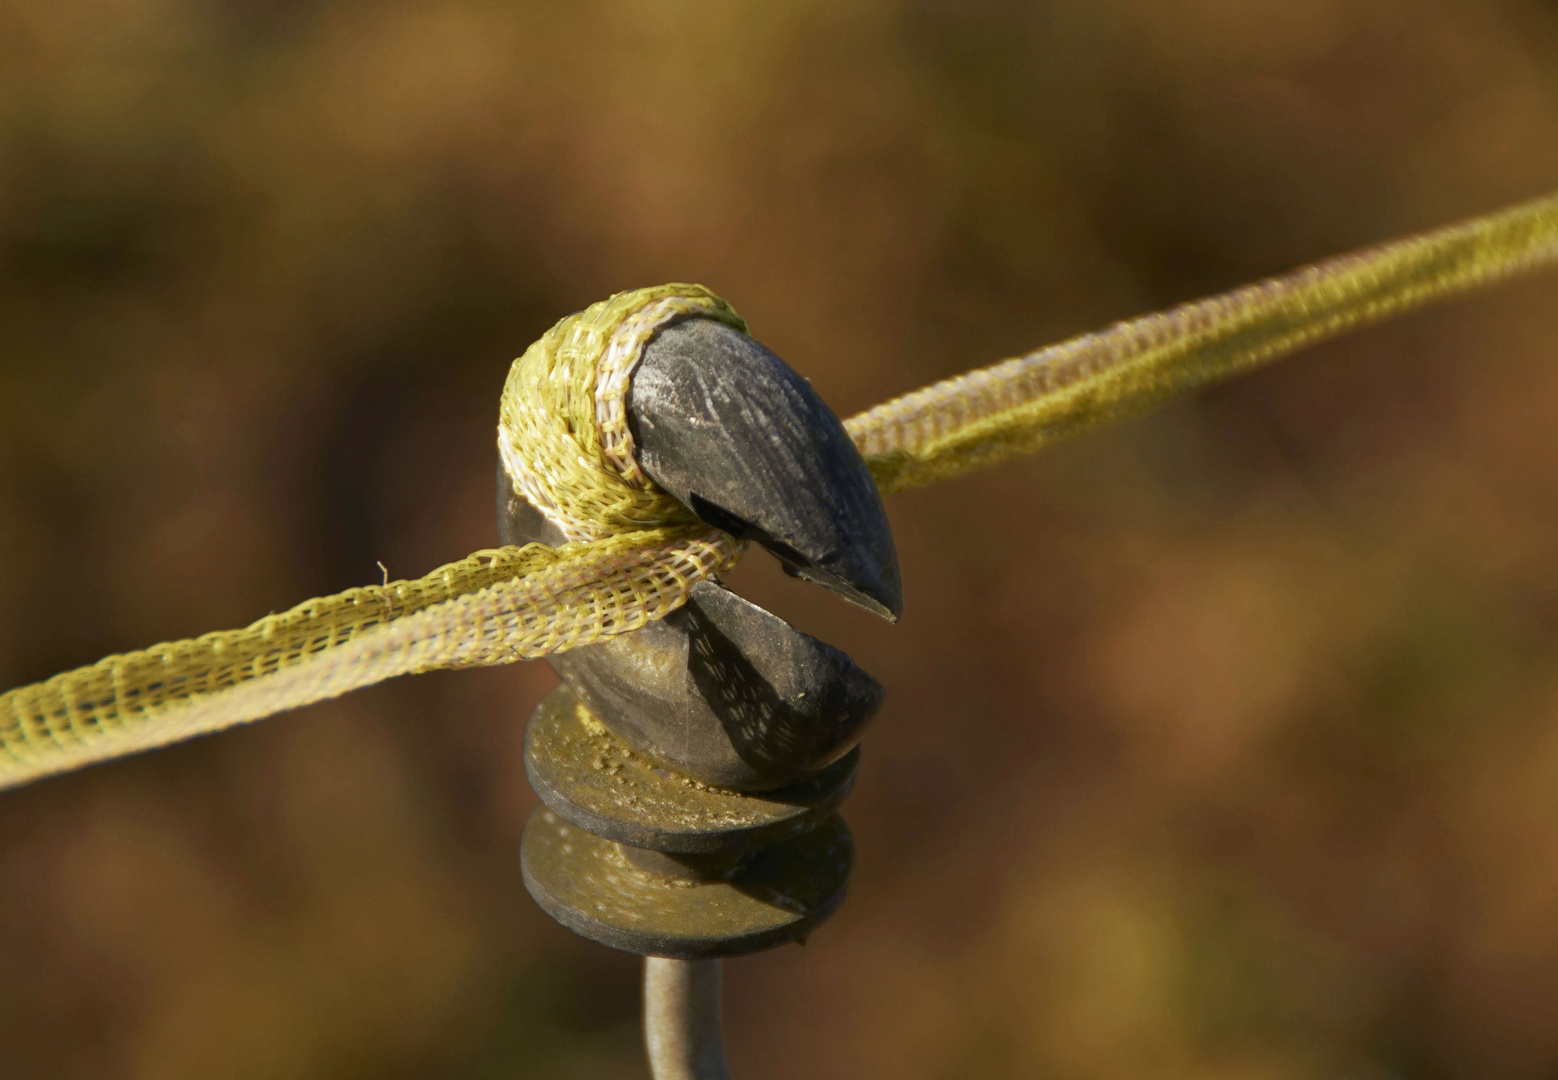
(722, 691)
(690, 770)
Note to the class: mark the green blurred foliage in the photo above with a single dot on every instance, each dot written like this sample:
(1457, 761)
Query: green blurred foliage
(1219, 745)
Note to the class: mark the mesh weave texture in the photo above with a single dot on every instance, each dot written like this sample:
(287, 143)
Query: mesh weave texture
(562, 430)
(493, 607)
(635, 552)
(1020, 405)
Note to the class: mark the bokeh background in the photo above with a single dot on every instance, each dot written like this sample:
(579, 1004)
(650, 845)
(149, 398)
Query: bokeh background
(1223, 744)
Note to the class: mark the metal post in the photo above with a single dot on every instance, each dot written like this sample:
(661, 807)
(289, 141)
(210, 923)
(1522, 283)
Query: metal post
(682, 1019)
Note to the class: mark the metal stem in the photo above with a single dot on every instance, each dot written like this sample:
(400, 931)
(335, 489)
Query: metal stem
(682, 1019)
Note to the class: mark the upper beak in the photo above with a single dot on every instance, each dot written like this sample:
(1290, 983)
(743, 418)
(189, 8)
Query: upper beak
(738, 437)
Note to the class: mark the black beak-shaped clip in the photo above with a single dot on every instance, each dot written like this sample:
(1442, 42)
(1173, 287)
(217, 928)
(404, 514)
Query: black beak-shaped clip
(743, 441)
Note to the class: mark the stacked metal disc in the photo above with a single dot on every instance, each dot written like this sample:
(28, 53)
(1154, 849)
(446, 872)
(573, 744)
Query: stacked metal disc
(636, 856)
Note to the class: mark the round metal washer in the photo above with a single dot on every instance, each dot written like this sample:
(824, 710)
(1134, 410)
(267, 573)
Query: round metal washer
(781, 895)
(591, 778)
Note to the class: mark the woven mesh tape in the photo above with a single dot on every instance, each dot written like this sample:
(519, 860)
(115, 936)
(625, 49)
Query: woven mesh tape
(562, 430)
(1017, 406)
(566, 445)
(493, 607)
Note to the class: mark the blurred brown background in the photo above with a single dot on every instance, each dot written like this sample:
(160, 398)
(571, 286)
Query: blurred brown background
(1223, 744)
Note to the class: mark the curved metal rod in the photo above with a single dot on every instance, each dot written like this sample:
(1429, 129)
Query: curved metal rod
(682, 1019)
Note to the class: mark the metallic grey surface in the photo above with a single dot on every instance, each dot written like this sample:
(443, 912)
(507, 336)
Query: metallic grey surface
(782, 893)
(682, 1019)
(719, 690)
(726, 693)
(741, 439)
(594, 780)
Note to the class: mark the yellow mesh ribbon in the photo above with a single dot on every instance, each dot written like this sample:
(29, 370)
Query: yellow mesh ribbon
(1010, 408)
(493, 607)
(635, 552)
(562, 426)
